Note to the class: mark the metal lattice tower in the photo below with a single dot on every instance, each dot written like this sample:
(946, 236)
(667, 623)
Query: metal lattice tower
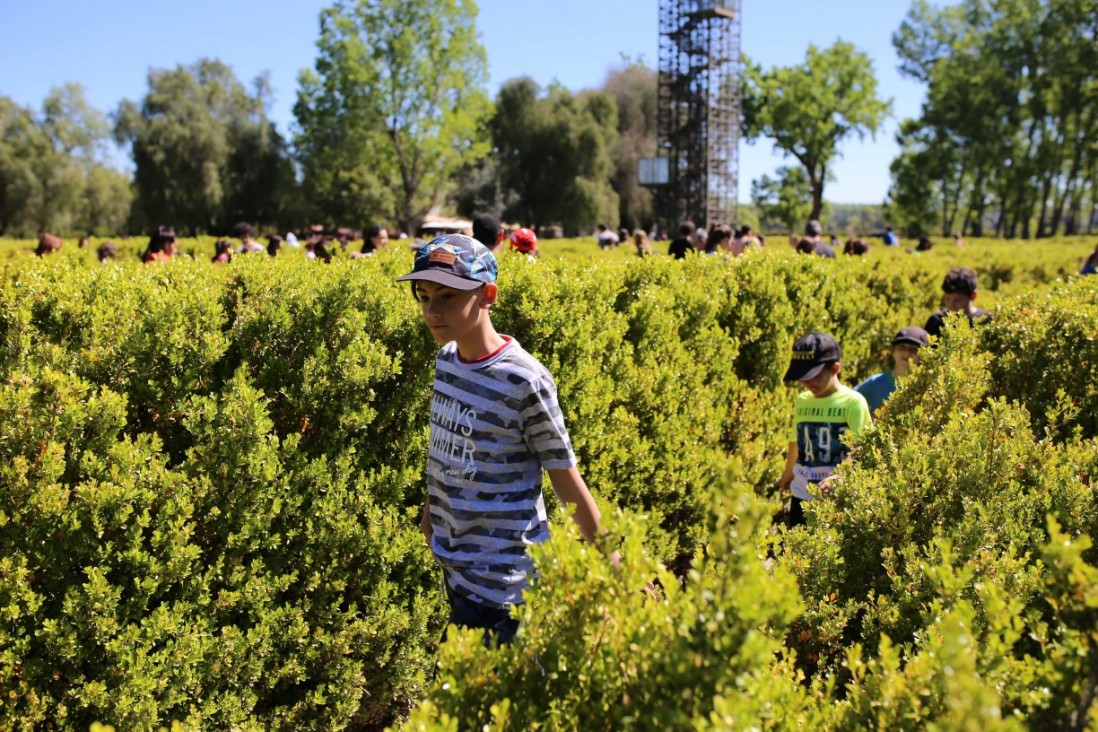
(699, 110)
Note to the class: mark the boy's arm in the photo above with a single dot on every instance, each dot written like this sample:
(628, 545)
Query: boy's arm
(425, 521)
(790, 461)
(569, 486)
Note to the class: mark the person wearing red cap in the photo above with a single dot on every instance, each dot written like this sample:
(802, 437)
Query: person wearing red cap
(525, 241)
(823, 414)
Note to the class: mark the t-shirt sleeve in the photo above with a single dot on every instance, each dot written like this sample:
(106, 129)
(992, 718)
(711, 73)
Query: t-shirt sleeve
(793, 424)
(857, 414)
(543, 426)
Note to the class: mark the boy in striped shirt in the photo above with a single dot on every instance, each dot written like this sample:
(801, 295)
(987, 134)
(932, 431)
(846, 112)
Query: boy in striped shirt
(495, 426)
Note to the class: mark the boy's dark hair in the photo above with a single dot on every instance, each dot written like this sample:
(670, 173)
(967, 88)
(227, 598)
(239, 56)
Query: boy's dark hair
(686, 228)
(161, 237)
(806, 246)
(274, 243)
(717, 234)
(368, 238)
(925, 244)
(106, 250)
(960, 280)
(485, 229)
(243, 229)
(813, 228)
(856, 246)
(602, 227)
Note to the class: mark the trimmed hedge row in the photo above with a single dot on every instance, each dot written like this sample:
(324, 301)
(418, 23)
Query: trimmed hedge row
(213, 474)
(950, 584)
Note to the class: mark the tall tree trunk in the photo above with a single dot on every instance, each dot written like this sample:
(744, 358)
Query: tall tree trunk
(1070, 183)
(949, 214)
(817, 195)
(1046, 191)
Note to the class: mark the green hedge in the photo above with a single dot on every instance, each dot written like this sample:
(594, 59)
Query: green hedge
(213, 474)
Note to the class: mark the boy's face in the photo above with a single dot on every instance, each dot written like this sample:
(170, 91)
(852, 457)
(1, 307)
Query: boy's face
(957, 301)
(824, 383)
(905, 355)
(453, 315)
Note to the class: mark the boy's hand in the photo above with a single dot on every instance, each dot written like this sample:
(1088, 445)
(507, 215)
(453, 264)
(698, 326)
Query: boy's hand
(827, 486)
(786, 480)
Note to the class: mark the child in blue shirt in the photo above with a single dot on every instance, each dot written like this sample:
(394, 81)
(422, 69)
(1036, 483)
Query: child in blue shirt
(905, 354)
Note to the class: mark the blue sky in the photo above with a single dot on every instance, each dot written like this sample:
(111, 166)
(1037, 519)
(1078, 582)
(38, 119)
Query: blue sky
(109, 46)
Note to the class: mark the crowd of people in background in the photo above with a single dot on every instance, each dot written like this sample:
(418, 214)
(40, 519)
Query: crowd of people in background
(323, 244)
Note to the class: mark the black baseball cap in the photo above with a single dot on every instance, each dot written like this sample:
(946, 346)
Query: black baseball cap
(811, 352)
(912, 335)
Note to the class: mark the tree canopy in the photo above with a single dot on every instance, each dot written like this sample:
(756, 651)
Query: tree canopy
(554, 152)
(52, 170)
(1006, 135)
(807, 110)
(205, 153)
(392, 108)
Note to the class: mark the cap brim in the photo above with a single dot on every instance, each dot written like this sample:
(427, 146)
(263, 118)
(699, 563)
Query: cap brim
(447, 279)
(798, 372)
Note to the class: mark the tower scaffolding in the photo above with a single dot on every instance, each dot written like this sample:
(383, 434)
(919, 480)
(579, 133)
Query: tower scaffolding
(698, 124)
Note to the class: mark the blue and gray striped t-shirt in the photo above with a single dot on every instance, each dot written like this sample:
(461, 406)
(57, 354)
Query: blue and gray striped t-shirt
(495, 427)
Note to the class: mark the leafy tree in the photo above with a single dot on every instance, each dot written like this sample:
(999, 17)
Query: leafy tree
(633, 88)
(784, 200)
(106, 204)
(1012, 102)
(21, 142)
(204, 151)
(807, 110)
(554, 154)
(392, 108)
(477, 189)
(51, 171)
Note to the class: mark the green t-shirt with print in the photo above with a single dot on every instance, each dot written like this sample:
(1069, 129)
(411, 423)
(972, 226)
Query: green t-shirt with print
(818, 428)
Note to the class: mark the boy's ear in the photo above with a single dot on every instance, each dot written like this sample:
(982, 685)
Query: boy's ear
(973, 298)
(491, 292)
(837, 368)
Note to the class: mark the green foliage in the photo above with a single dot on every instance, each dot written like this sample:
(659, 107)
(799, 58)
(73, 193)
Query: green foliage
(597, 652)
(554, 154)
(52, 177)
(393, 108)
(1004, 137)
(1050, 333)
(212, 478)
(205, 154)
(634, 89)
(807, 110)
(785, 201)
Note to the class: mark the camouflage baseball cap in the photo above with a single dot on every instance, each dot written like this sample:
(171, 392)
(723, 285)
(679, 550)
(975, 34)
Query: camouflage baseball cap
(454, 260)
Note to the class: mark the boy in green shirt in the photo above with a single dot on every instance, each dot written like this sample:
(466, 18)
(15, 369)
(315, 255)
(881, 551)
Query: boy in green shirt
(823, 413)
